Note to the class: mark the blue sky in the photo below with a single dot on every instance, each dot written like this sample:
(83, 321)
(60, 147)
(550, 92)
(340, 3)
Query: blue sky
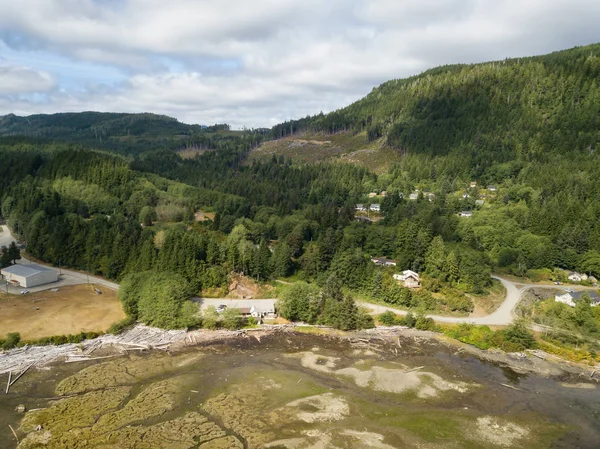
(256, 63)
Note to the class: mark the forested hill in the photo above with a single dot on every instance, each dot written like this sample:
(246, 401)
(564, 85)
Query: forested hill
(524, 108)
(119, 132)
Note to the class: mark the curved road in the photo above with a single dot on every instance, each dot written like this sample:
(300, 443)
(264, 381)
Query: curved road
(503, 316)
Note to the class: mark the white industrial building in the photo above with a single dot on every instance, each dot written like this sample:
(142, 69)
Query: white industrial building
(29, 275)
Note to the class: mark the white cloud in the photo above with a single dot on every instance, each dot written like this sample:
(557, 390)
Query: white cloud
(16, 79)
(256, 63)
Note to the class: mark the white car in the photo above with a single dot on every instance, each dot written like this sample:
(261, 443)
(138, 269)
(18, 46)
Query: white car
(24, 292)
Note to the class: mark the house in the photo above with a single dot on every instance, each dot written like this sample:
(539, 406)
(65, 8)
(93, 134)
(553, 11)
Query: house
(430, 196)
(262, 311)
(466, 195)
(473, 184)
(372, 195)
(569, 298)
(383, 261)
(409, 278)
(375, 207)
(492, 188)
(383, 194)
(575, 277)
(29, 275)
(360, 208)
(465, 213)
(244, 311)
(401, 195)
(479, 203)
(414, 196)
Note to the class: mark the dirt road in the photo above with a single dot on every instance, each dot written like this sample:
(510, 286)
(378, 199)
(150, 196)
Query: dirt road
(504, 315)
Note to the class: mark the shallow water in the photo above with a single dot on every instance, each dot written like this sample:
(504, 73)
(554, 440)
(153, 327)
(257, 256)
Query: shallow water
(303, 391)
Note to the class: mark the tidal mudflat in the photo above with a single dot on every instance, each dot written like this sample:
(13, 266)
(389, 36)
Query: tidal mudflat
(300, 391)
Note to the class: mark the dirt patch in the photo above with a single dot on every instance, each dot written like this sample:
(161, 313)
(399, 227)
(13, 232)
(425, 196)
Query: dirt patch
(378, 378)
(323, 408)
(200, 215)
(242, 287)
(70, 310)
(498, 432)
(367, 439)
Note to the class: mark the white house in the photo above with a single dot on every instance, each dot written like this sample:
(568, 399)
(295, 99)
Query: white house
(414, 196)
(29, 275)
(569, 298)
(360, 207)
(375, 207)
(372, 195)
(473, 184)
(575, 277)
(465, 213)
(409, 278)
(492, 188)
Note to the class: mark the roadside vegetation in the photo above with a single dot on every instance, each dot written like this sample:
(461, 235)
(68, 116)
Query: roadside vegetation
(571, 332)
(511, 143)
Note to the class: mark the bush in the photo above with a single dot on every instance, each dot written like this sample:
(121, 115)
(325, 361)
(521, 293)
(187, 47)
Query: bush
(12, 340)
(423, 323)
(210, 318)
(231, 319)
(119, 327)
(518, 337)
(409, 320)
(387, 318)
(251, 321)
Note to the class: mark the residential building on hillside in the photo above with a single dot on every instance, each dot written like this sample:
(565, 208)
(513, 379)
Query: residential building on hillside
(409, 278)
(465, 213)
(360, 208)
(375, 207)
(492, 188)
(576, 277)
(569, 298)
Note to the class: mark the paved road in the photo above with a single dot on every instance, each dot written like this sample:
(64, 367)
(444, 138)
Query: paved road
(5, 237)
(66, 277)
(260, 304)
(504, 315)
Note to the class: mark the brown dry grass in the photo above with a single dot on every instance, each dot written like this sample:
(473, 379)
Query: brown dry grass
(200, 215)
(71, 310)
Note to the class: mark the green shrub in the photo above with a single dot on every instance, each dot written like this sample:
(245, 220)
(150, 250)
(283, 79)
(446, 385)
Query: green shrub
(12, 340)
(387, 318)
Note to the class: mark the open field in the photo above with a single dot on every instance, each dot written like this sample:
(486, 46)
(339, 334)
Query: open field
(71, 310)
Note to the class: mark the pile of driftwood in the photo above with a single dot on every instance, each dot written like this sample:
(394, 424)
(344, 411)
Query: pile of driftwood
(17, 362)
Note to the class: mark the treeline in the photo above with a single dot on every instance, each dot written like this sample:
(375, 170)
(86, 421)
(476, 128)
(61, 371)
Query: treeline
(122, 133)
(521, 109)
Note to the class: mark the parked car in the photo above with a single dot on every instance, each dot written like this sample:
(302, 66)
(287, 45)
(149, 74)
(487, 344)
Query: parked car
(221, 308)
(557, 282)
(24, 292)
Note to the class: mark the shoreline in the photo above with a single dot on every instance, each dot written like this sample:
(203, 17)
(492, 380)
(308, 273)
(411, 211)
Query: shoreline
(144, 339)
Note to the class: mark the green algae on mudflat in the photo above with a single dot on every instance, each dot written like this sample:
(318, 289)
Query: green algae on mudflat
(124, 371)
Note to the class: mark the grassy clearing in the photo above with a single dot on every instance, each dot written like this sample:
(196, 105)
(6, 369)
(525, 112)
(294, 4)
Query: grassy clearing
(490, 301)
(315, 147)
(71, 310)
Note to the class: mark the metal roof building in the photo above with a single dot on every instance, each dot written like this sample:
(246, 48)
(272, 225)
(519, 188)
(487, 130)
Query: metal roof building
(29, 275)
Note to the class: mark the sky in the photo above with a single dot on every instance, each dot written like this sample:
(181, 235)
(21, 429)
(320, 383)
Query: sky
(256, 63)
